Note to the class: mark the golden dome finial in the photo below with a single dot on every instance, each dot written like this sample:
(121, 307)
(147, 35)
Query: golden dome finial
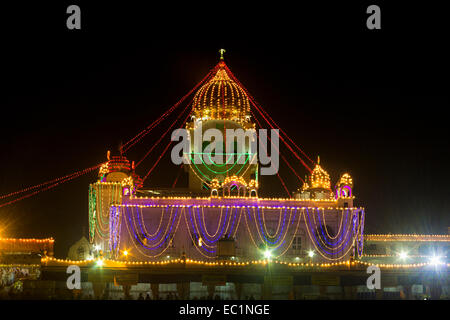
(222, 51)
(221, 98)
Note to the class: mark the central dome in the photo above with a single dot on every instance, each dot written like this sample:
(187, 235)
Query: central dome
(320, 178)
(221, 99)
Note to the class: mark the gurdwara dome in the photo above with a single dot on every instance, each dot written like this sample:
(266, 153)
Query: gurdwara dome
(221, 98)
(320, 178)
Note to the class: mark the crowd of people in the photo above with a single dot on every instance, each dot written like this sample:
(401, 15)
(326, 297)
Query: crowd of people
(8, 275)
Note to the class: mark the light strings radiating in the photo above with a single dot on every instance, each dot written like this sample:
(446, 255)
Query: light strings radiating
(263, 112)
(163, 152)
(163, 135)
(46, 186)
(125, 147)
(277, 150)
(278, 174)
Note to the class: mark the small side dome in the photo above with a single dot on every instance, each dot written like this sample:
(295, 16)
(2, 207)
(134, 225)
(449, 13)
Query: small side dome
(345, 180)
(344, 187)
(320, 179)
(117, 169)
(305, 185)
(114, 164)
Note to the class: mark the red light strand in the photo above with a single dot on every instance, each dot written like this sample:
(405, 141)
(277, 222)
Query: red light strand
(178, 176)
(164, 151)
(286, 135)
(281, 180)
(162, 137)
(71, 177)
(149, 128)
(282, 156)
(261, 110)
(287, 145)
(49, 182)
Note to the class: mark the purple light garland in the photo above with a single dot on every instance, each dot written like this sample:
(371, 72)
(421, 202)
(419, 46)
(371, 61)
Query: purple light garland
(348, 236)
(262, 230)
(162, 242)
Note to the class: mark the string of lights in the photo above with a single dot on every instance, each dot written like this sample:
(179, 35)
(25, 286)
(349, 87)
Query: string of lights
(48, 187)
(264, 232)
(164, 134)
(277, 150)
(164, 152)
(81, 172)
(238, 223)
(92, 203)
(178, 175)
(115, 225)
(133, 235)
(278, 224)
(278, 174)
(157, 230)
(125, 147)
(219, 225)
(323, 239)
(144, 238)
(208, 180)
(271, 246)
(205, 243)
(195, 241)
(258, 107)
(101, 230)
(284, 141)
(325, 225)
(306, 266)
(113, 196)
(209, 240)
(201, 240)
(322, 251)
(360, 240)
(294, 233)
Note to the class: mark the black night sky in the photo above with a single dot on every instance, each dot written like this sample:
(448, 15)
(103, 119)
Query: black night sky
(372, 103)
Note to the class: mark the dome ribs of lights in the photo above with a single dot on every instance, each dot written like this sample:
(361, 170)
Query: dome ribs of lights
(221, 98)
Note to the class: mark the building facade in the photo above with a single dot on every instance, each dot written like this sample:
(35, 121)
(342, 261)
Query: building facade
(221, 216)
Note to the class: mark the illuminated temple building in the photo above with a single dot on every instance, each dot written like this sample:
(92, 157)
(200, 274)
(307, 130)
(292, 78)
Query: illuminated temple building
(218, 236)
(221, 216)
